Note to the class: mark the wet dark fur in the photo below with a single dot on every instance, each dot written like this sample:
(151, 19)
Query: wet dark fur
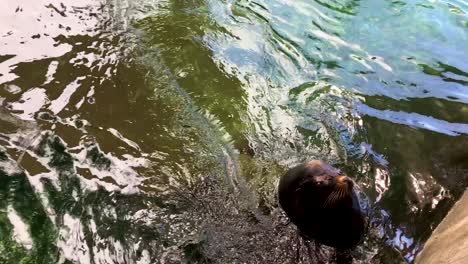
(303, 194)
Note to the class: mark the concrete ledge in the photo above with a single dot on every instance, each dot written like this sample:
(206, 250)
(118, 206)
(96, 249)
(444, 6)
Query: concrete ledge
(448, 243)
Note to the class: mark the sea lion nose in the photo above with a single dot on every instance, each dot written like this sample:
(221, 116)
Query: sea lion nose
(344, 180)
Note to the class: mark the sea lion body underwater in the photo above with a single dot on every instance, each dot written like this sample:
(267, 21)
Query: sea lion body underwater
(322, 203)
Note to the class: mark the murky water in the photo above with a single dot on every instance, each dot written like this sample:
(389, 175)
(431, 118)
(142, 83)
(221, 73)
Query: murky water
(155, 131)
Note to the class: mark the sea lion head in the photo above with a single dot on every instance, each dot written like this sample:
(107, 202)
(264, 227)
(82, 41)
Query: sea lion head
(326, 191)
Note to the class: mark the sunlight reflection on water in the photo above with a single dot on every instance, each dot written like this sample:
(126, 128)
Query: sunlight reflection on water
(156, 131)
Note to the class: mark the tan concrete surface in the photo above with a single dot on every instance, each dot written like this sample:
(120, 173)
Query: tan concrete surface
(448, 243)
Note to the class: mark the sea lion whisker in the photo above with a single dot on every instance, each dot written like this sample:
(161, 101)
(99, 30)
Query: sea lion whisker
(337, 197)
(338, 192)
(327, 201)
(346, 189)
(343, 191)
(341, 194)
(332, 198)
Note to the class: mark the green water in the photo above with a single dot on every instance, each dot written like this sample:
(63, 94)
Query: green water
(155, 131)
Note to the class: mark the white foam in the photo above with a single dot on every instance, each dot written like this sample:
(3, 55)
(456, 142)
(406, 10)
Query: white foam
(20, 229)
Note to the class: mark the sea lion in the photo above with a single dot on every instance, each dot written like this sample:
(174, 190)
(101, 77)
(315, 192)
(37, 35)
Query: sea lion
(322, 203)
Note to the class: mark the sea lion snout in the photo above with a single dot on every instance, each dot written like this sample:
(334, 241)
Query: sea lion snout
(344, 180)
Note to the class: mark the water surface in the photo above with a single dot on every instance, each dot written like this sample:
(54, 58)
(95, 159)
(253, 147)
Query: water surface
(156, 131)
